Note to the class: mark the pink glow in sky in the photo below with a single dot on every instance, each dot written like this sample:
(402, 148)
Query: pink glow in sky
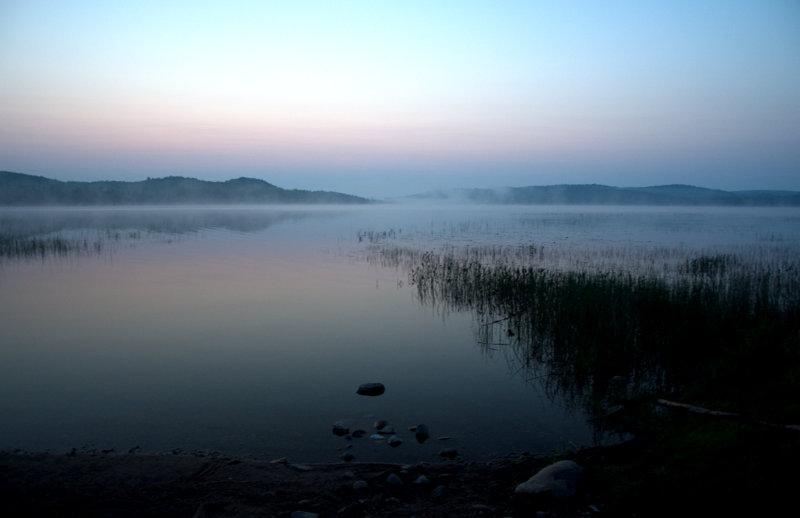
(386, 98)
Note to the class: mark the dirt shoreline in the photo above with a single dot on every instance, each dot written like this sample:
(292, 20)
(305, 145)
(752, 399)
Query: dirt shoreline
(633, 478)
(192, 485)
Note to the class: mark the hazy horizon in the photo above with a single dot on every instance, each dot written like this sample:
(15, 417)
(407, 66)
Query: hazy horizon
(392, 99)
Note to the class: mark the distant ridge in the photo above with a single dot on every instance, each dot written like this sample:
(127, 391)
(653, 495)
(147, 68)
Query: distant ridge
(22, 189)
(606, 195)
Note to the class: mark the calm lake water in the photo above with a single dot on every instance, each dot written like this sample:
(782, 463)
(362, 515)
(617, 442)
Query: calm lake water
(248, 330)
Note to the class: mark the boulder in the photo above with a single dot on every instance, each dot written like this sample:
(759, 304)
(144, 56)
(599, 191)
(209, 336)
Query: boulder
(371, 389)
(559, 480)
(422, 433)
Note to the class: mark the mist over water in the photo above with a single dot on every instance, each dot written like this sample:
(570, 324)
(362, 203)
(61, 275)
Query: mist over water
(247, 329)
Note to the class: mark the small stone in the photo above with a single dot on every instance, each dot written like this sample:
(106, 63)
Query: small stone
(358, 434)
(559, 480)
(358, 485)
(380, 425)
(282, 460)
(422, 479)
(449, 453)
(438, 491)
(422, 433)
(347, 456)
(395, 441)
(377, 437)
(340, 429)
(394, 480)
(371, 389)
(389, 430)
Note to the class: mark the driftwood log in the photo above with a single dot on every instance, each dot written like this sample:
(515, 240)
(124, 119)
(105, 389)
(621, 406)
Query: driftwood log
(718, 413)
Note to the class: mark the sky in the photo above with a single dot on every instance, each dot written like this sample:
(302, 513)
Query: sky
(384, 98)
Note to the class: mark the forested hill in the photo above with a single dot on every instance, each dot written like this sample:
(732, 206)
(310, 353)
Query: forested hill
(22, 189)
(606, 195)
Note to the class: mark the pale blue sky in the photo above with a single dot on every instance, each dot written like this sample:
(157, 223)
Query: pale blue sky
(384, 98)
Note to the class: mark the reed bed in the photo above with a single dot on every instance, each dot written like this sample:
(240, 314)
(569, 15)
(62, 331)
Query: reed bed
(42, 247)
(596, 325)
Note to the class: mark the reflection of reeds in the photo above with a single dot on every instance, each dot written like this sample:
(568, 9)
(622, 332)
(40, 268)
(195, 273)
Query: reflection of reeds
(720, 327)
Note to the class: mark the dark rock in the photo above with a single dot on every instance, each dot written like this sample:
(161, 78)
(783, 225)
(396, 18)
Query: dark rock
(449, 453)
(422, 433)
(347, 456)
(371, 389)
(340, 429)
(360, 484)
(380, 425)
(395, 441)
(394, 480)
(358, 434)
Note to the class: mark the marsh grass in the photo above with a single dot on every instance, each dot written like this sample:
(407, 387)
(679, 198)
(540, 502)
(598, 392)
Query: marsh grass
(42, 247)
(63, 244)
(603, 326)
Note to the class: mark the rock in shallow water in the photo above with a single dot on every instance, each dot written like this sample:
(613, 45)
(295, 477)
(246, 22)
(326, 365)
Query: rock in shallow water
(395, 441)
(449, 453)
(422, 433)
(340, 429)
(371, 389)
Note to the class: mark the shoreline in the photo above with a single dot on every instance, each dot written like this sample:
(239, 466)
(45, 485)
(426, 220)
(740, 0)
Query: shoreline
(194, 485)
